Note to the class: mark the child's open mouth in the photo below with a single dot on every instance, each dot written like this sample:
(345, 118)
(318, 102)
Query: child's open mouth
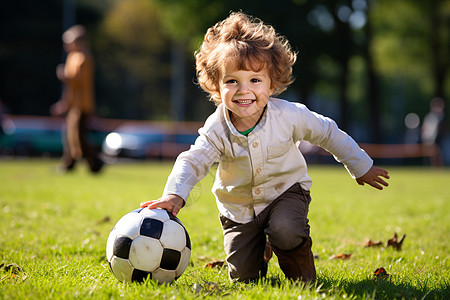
(244, 102)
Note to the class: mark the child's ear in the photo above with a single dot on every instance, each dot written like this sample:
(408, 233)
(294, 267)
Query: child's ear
(215, 97)
(272, 89)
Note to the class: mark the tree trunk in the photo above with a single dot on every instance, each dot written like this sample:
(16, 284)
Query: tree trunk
(343, 54)
(372, 85)
(438, 52)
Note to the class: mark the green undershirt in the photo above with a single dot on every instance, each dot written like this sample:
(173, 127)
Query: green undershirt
(246, 132)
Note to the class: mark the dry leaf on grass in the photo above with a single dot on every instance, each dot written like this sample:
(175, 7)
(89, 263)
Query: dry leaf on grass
(342, 256)
(105, 219)
(371, 243)
(380, 273)
(13, 268)
(215, 264)
(395, 243)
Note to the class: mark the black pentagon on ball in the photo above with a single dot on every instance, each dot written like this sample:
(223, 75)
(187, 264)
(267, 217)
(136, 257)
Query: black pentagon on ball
(152, 228)
(188, 240)
(140, 276)
(170, 259)
(122, 246)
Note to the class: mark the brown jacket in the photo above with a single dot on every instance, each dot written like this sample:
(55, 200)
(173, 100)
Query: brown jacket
(79, 85)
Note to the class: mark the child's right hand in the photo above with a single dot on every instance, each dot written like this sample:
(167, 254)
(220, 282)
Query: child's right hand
(172, 203)
(373, 178)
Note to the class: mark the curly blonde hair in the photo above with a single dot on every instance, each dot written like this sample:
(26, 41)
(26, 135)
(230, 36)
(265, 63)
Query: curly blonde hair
(247, 43)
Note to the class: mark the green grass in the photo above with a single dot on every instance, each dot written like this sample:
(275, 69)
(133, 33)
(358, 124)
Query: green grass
(54, 229)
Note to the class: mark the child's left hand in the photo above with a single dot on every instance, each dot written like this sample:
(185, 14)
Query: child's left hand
(373, 178)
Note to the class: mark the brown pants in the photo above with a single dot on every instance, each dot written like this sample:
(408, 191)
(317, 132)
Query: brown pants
(285, 224)
(76, 144)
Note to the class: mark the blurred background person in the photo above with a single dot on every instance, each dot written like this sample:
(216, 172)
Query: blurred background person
(433, 127)
(77, 100)
(433, 130)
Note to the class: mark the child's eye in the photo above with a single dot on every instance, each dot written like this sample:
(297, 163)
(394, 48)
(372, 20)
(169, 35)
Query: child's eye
(255, 80)
(230, 81)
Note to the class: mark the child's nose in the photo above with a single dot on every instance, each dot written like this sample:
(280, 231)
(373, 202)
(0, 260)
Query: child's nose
(244, 88)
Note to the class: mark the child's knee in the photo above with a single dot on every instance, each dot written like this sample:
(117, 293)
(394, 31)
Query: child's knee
(286, 234)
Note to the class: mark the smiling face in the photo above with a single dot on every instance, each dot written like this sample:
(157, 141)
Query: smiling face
(245, 93)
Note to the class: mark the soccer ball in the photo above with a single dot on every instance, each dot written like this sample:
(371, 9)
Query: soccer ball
(148, 243)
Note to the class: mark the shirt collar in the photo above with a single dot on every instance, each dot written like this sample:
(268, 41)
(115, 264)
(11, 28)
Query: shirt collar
(226, 115)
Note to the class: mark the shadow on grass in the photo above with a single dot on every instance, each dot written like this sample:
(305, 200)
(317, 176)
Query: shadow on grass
(384, 289)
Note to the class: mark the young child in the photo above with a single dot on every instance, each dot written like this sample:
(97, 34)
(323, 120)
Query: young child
(262, 185)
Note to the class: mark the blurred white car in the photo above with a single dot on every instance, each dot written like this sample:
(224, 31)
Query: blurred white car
(146, 141)
(133, 140)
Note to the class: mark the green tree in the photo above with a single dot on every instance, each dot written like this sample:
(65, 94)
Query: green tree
(412, 42)
(133, 56)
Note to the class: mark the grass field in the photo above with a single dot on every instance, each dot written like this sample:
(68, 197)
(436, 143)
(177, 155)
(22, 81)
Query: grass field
(54, 229)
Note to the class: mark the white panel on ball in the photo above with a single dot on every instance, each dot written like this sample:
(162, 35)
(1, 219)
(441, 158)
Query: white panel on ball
(173, 236)
(129, 225)
(158, 214)
(163, 276)
(122, 268)
(145, 253)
